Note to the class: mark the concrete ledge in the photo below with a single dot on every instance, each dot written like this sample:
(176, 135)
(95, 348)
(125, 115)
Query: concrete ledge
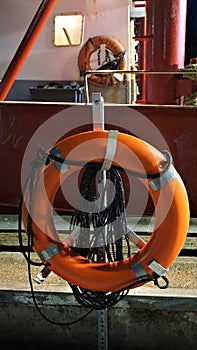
(142, 297)
(139, 291)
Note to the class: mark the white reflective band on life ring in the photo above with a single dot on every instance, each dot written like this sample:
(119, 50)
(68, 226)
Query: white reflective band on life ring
(159, 182)
(111, 149)
(157, 268)
(49, 252)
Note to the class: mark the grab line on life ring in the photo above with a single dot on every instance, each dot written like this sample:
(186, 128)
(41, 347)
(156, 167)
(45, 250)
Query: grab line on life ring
(171, 220)
(111, 46)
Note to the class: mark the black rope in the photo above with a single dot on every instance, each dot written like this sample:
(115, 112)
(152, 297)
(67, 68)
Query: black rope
(40, 160)
(164, 165)
(113, 216)
(97, 300)
(22, 247)
(110, 219)
(101, 300)
(38, 305)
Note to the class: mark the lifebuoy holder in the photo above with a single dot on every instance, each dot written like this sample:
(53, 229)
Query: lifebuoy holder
(112, 47)
(163, 183)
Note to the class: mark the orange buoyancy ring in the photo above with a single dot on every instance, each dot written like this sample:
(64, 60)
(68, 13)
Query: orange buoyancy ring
(168, 194)
(111, 46)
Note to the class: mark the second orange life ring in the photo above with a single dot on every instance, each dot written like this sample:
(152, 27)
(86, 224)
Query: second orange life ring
(113, 47)
(168, 194)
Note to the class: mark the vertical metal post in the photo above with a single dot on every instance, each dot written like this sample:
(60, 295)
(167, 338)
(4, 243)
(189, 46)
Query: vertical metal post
(25, 46)
(98, 111)
(98, 124)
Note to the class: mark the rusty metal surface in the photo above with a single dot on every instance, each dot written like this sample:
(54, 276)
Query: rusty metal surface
(19, 122)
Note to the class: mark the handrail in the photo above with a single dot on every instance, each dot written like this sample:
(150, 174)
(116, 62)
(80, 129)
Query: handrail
(119, 71)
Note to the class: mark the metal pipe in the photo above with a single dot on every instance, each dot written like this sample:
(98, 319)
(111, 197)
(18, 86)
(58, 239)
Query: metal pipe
(25, 46)
(182, 71)
(166, 22)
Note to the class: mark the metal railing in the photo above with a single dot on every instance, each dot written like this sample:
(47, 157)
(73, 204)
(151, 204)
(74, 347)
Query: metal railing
(131, 72)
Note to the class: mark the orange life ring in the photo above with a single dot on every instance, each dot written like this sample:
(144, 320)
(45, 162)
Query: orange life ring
(111, 46)
(171, 213)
